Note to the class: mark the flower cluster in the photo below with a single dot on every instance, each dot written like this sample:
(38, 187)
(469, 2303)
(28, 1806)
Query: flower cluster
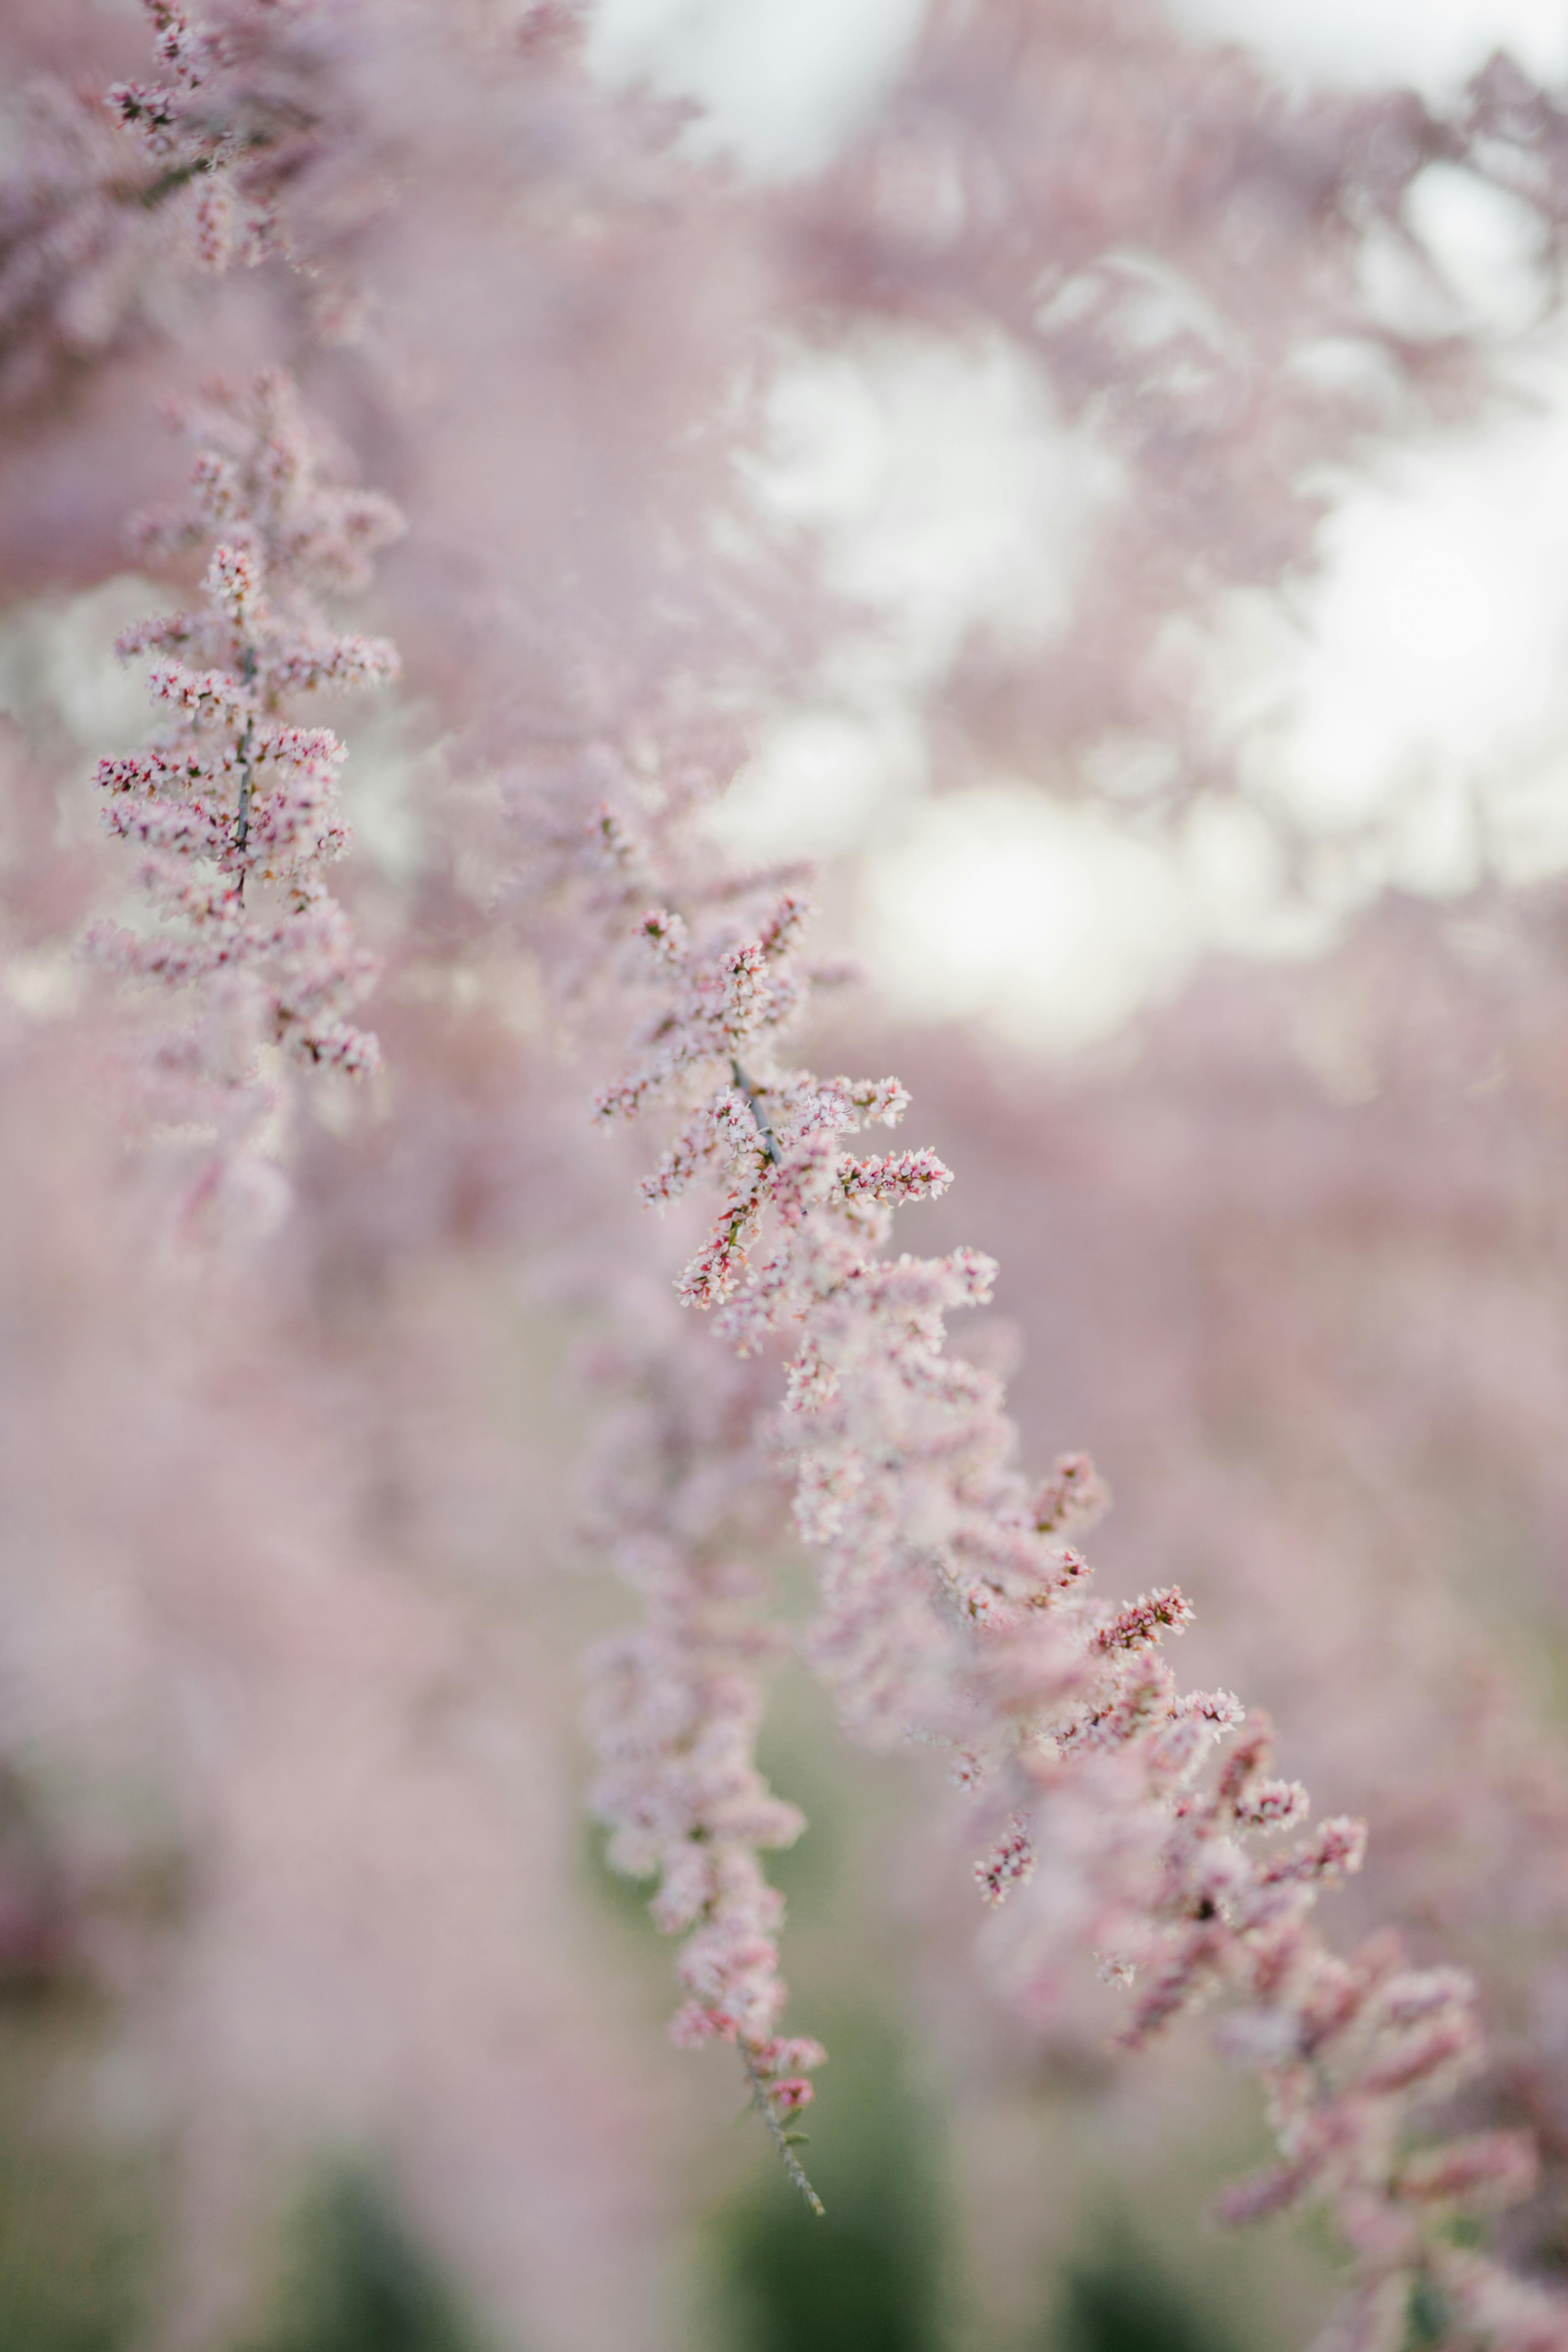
(1210, 301)
(232, 806)
(675, 1701)
(953, 1608)
(108, 193)
(206, 128)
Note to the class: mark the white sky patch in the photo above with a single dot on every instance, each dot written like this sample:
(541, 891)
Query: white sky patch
(1485, 266)
(58, 667)
(822, 782)
(1414, 715)
(946, 502)
(1052, 924)
(1488, 246)
(785, 82)
(946, 494)
(1435, 45)
(782, 83)
(1427, 687)
(1412, 712)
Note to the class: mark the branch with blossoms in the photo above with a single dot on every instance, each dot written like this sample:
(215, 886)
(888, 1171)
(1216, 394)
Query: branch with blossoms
(110, 191)
(232, 806)
(210, 128)
(955, 1606)
(675, 1702)
(678, 1496)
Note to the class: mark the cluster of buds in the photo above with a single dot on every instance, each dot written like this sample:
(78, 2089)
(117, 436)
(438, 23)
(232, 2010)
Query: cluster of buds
(232, 806)
(210, 130)
(106, 191)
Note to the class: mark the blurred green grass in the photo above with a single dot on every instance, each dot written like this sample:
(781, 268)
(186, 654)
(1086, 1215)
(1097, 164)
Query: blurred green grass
(356, 2282)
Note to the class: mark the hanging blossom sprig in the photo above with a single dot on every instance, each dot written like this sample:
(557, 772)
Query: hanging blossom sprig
(1128, 1817)
(233, 806)
(679, 1495)
(675, 1702)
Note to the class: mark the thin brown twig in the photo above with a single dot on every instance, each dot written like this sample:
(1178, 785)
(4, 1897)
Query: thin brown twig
(753, 1104)
(246, 771)
(787, 2156)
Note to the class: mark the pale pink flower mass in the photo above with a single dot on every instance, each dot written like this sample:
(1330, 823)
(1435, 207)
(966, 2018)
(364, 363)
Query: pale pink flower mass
(945, 1607)
(326, 1402)
(228, 798)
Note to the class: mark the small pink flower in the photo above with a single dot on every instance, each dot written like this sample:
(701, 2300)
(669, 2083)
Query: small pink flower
(790, 2092)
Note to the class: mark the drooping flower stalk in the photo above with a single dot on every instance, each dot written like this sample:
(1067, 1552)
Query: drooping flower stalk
(680, 1497)
(954, 1607)
(675, 1701)
(232, 805)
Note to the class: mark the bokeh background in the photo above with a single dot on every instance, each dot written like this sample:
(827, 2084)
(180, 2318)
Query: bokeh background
(1145, 573)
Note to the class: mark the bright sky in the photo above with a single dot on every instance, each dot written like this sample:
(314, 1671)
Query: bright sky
(782, 80)
(1433, 44)
(1424, 682)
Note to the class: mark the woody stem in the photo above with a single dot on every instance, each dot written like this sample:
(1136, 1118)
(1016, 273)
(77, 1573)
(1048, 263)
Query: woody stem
(787, 2156)
(753, 1104)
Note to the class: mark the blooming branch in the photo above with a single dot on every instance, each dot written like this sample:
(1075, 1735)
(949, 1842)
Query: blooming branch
(233, 807)
(206, 128)
(675, 1702)
(952, 1607)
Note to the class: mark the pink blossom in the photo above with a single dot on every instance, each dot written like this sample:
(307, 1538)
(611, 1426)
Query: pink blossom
(902, 1482)
(1175, 255)
(230, 800)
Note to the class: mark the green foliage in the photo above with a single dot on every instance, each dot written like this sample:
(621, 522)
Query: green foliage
(76, 2220)
(68, 2264)
(357, 2284)
(1427, 2319)
(1120, 2299)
